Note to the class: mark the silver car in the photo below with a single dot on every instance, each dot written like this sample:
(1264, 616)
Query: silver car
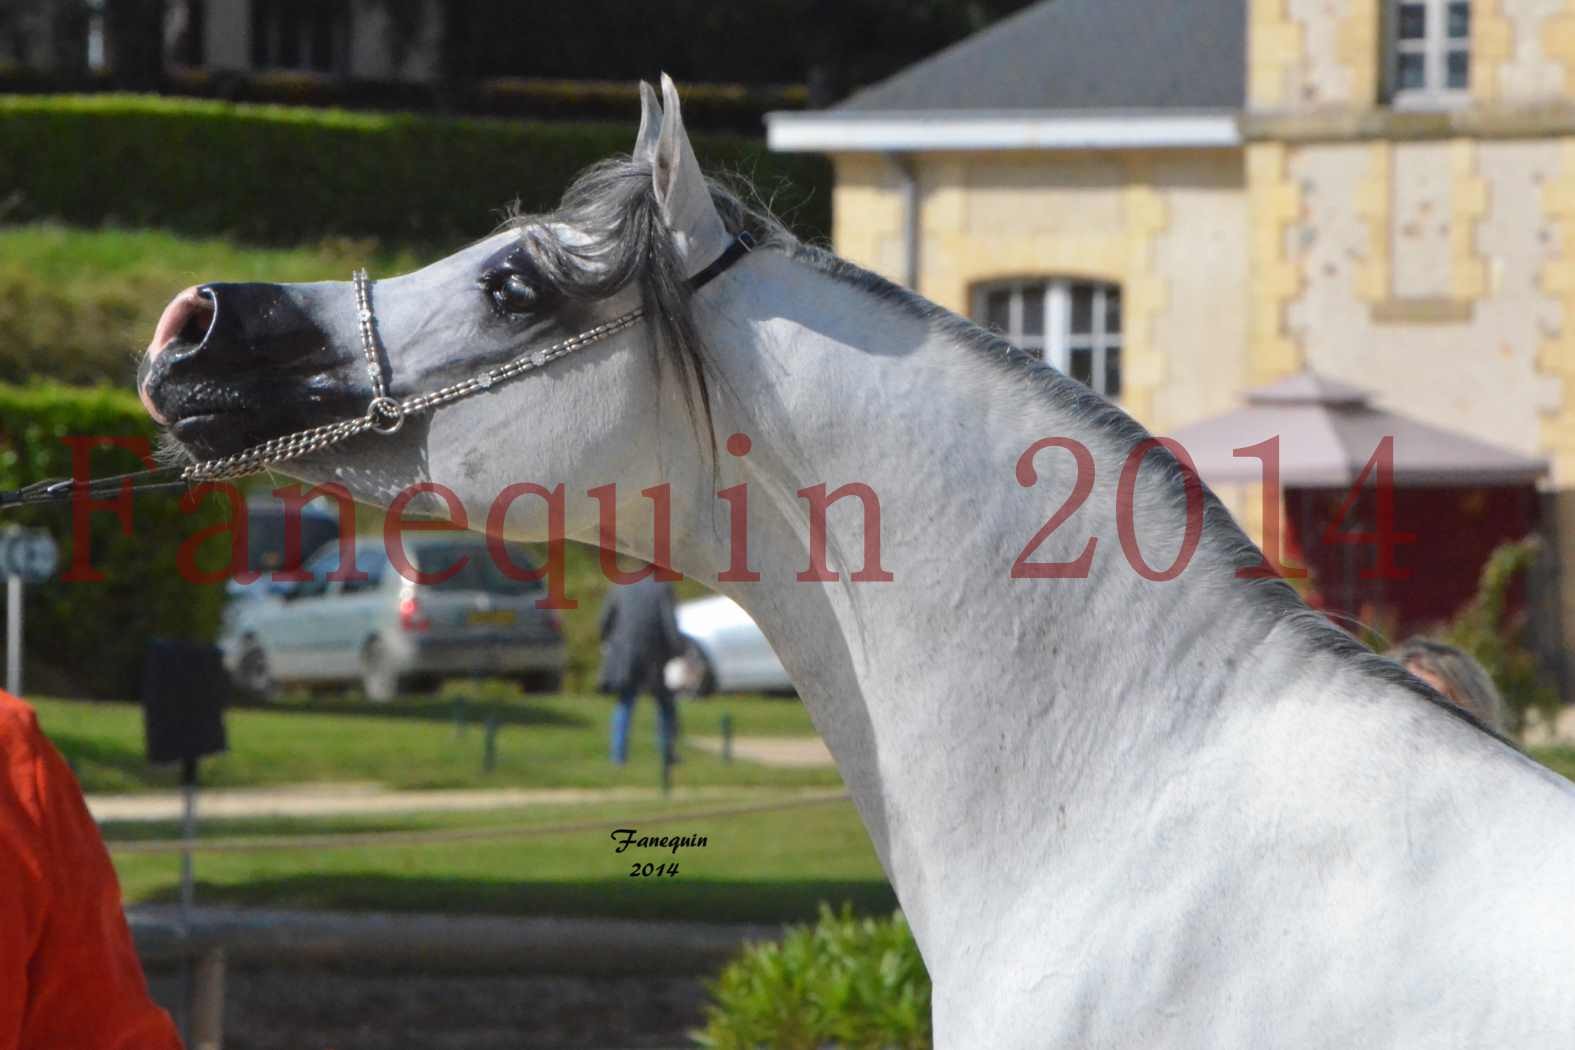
(727, 652)
(392, 635)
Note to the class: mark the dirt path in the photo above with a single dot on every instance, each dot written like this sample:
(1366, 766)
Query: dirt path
(788, 752)
(332, 800)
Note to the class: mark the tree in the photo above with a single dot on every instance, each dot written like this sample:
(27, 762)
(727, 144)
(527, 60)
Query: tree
(48, 33)
(834, 45)
(134, 42)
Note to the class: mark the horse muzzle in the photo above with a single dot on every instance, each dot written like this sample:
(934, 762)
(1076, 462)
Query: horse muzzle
(230, 361)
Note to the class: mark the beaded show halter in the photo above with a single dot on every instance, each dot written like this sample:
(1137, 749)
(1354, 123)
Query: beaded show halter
(385, 414)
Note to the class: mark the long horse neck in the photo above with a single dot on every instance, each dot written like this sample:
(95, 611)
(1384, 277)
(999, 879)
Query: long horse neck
(974, 715)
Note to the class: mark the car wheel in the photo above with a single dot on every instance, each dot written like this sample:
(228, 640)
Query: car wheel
(252, 675)
(379, 681)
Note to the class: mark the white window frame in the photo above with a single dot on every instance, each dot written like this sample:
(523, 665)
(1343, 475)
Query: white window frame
(1435, 47)
(1055, 343)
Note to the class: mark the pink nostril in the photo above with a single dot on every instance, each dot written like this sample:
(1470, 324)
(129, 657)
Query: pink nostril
(188, 309)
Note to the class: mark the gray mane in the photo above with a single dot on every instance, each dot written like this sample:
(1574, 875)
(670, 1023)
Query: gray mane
(613, 204)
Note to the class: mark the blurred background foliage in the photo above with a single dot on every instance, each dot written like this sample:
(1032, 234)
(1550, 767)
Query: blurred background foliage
(87, 638)
(287, 176)
(828, 46)
(1488, 630)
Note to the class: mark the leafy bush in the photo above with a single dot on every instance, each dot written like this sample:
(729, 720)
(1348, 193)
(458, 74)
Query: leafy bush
(1485, 629)
(88, 638)
(276, 175)
(845, 982)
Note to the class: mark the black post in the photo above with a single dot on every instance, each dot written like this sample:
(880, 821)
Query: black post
(727, 738)
(184, 692)
(188, 887)
(489, 757)
(188, 791)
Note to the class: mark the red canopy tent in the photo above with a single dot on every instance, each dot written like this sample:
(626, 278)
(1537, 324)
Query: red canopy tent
(1451, 498)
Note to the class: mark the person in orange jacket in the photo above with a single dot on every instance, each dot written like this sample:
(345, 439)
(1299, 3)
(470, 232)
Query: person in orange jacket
(69, 976)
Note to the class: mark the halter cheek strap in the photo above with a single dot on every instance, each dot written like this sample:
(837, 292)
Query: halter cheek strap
(385, 414)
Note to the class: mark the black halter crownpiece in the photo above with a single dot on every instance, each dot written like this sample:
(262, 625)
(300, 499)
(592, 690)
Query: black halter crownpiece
(385, 414)
(742, 245)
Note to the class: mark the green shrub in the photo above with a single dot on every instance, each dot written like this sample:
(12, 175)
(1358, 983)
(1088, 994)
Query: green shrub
(88, 638)
(845, 982)
(1485, 629)
(276, 175)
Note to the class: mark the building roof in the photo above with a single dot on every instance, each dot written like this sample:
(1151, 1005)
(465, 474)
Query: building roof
(1062, 74)
(1081, 55)
(1328, 431)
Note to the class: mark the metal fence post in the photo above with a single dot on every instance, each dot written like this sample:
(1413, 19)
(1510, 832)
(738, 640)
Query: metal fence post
(13, 635)
(489, 756)
(207, 1002)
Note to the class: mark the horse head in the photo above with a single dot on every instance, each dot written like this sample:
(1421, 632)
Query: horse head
(607, 277)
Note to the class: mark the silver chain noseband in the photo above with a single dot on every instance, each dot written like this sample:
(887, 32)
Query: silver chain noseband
(385, 414)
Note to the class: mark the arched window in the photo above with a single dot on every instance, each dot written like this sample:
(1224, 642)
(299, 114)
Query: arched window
(1073, 325)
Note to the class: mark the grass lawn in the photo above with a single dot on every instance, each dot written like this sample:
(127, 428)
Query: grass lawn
(558, 741)
(771, 866)
(1559, 759)
(75, 304)
(756, 867)
(66, 254)
(761, 867)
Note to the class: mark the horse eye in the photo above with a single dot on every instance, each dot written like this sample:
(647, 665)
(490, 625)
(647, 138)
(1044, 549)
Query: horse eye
(514, 294)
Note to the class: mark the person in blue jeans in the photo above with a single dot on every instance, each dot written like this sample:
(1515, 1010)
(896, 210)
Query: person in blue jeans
(639, 635)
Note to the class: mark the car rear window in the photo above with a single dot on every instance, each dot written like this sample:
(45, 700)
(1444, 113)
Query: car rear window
(265, 538)
(479, 573)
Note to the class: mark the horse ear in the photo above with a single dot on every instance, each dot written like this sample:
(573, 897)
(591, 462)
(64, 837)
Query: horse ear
(650, 125)
(682, 192)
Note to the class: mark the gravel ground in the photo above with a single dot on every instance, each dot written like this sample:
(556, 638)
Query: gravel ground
(338, 1009)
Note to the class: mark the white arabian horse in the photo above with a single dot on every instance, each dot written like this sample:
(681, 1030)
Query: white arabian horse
(1119, 810)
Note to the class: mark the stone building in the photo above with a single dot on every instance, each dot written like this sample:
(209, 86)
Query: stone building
(1180, 202)
(348, 38)
(355, 39)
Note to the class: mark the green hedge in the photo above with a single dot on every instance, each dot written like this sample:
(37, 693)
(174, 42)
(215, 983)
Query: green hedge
(857, 984)
(76, 306)
(88, 638)
(284, 176)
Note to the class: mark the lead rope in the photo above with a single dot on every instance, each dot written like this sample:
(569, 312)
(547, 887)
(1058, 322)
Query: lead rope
(385, 414)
